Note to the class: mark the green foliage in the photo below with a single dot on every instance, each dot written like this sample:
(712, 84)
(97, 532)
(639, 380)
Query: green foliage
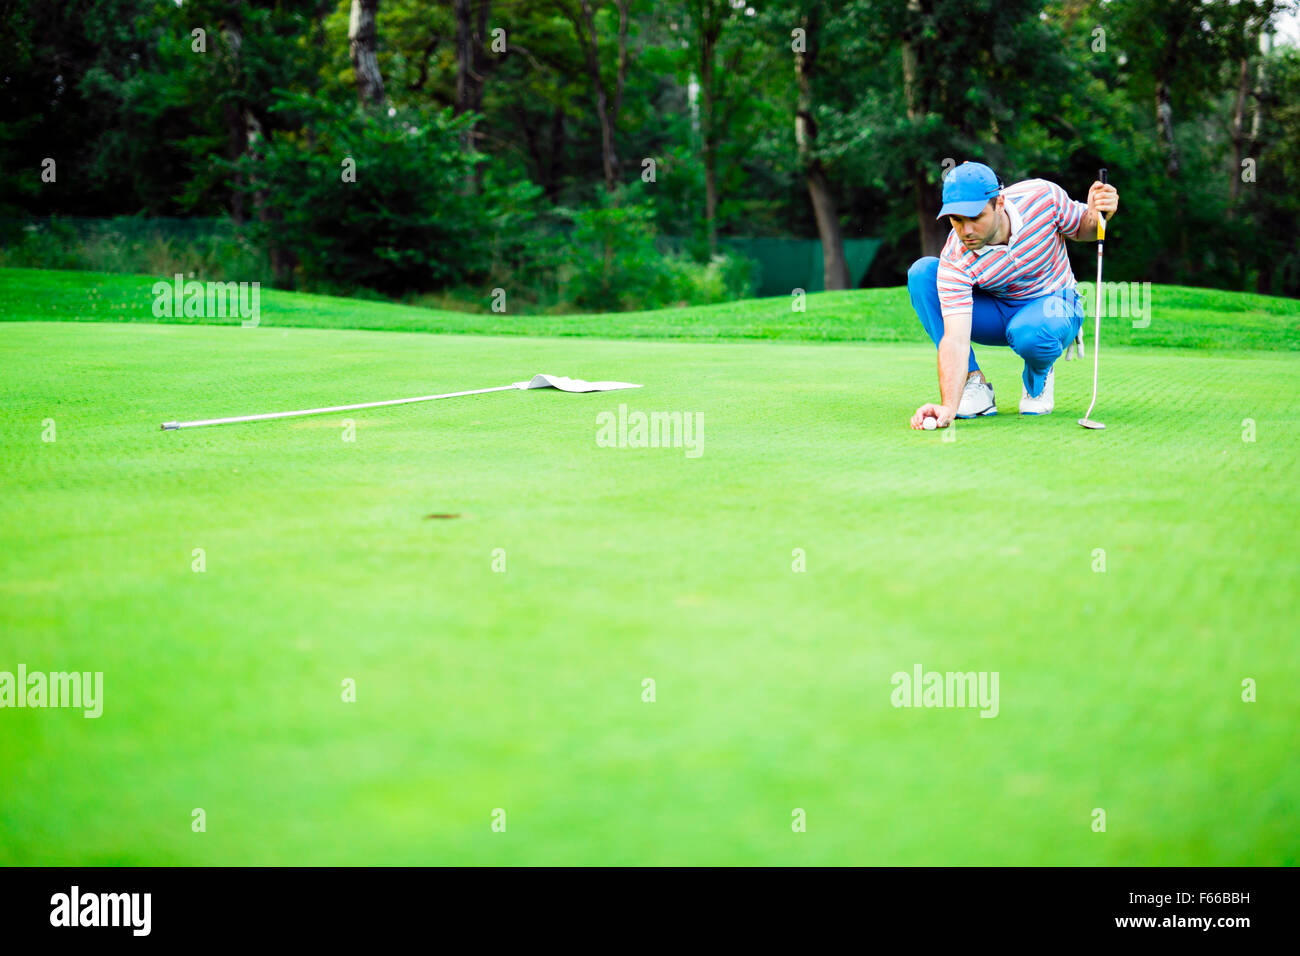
(49, 110)
(410, 221)
(140, 122)
(612, 259)
(727, 276)
(615, 261)
(1272, 202)
(519, 255)
(52, 245)
(124, 244)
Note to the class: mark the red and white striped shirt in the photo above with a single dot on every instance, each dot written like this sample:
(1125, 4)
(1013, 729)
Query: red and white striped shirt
(1032, 263)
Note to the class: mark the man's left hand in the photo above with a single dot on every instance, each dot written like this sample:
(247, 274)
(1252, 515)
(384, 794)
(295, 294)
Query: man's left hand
(1103, 198)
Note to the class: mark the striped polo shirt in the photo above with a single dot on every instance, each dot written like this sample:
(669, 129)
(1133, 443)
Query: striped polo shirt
(1030, 264)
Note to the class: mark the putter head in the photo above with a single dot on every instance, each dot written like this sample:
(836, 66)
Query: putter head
(1089, 423)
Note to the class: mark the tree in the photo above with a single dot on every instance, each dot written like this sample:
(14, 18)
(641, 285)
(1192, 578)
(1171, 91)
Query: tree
(583, 20)
(708, 19)
(1249, 28)
(835, 268)
(471, 71)
(471, 64)
(1175, 50)
(66, 71)
(362, 48)
(974, 75)
(402, 225)
(1272, 204)
(916, 94)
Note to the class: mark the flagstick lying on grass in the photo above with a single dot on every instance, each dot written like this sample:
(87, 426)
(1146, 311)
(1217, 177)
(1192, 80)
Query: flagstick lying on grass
(537, 381)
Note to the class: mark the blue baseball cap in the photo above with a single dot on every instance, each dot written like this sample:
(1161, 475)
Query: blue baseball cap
(967, 189)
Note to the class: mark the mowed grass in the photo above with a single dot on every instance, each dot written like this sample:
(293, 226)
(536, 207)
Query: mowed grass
(523, 689)
(1158, 317)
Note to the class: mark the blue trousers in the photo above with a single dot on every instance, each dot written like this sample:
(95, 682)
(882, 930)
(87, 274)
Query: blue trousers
(1038, 330)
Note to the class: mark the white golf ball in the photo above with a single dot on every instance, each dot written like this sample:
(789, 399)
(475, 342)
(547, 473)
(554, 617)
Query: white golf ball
(930, 424)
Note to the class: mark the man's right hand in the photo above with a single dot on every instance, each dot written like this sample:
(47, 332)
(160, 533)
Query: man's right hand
(942, 414)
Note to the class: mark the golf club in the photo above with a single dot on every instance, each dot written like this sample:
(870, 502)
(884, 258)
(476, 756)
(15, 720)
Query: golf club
(537, 381)
(1087, 421)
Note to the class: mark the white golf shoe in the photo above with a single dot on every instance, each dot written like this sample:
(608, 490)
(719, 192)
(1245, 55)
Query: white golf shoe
(1043, 403)
(976, 399)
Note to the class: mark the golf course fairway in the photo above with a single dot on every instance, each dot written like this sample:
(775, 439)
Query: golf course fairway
(293, 644)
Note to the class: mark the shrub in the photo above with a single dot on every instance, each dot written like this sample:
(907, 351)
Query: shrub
(408, 222)
(208, 249)
(613, 263)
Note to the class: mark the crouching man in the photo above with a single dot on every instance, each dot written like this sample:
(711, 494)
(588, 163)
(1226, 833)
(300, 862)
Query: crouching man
(1002, 278)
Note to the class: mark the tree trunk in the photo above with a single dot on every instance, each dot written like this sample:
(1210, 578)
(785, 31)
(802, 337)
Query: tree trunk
(552, 178)
(934, 232)
(471, 35)
(606, 110)
(244, 136)
(711, 194)
(1238, 136)
(283, 262)
(708, 30)
(911, 66)
(835, 268)
(362, 48)
(236, 127)
(1165, 125)
(835, 271)
(471, 67)
(931, 232)
(236, 144)
(1264, 282)
(1260, 94)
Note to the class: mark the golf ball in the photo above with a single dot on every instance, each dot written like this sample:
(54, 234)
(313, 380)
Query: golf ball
(930, 424)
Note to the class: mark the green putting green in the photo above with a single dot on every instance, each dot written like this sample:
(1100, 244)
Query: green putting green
(499, 657)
